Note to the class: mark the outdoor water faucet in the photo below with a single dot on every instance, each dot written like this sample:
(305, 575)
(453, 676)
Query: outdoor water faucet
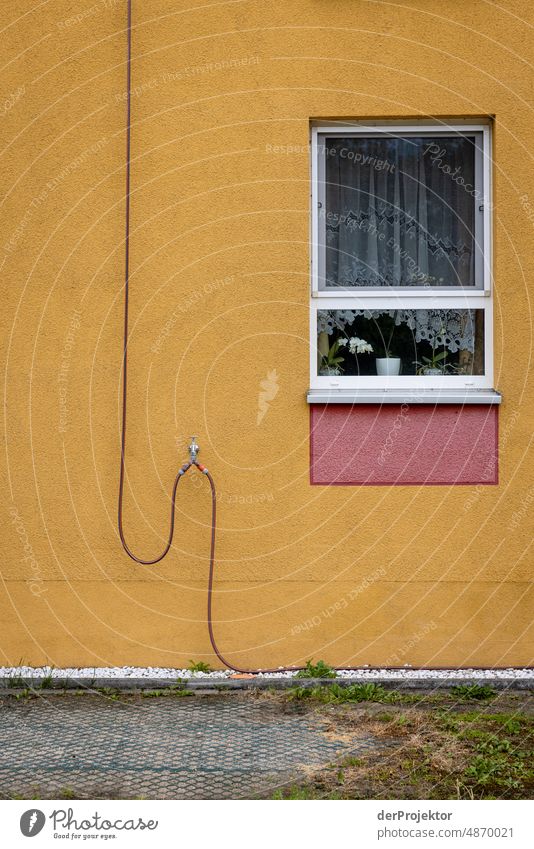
(194, 448)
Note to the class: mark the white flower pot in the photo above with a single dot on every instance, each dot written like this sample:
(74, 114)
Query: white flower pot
(388, 365)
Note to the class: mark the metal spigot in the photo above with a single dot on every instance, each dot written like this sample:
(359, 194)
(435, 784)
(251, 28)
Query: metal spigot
(194, 448)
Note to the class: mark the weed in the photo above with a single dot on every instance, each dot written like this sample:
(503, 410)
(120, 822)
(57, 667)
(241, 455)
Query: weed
(336, 694)
(109, 692)
(199, 666)
(67, 793)
(299, 693)
(16, 682)
(493, 744)
(467, 692)
(169, 691)
(500, 765)
(512, 726)
(46, 681)
(316, 670)
(34, 794)
(369, 692)
(24, 694)
(352, 761)
(295, 793)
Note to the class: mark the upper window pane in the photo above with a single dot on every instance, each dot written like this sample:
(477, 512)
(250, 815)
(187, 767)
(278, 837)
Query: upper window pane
(399, 211)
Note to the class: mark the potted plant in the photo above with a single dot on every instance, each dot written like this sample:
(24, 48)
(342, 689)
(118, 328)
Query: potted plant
(330, 363)
(389, 364)
(437, 363)
(433, 365)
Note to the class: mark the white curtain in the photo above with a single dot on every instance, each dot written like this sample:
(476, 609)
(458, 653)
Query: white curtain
(399, 212)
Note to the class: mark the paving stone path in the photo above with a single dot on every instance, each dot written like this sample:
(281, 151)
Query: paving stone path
(201, 747)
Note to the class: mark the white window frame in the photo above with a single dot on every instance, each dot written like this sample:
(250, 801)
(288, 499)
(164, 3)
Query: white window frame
(472, 297)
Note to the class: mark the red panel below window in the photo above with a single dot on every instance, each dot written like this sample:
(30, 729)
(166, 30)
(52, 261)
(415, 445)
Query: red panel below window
(404, 444)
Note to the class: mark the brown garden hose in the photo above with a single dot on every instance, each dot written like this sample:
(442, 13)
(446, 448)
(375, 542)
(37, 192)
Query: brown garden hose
(125, 339)
(186, 466)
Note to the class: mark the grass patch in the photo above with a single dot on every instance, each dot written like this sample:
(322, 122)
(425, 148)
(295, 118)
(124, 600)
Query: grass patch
(432, 752)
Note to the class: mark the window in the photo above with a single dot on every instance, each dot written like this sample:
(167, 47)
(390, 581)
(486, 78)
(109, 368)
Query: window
(401, 257)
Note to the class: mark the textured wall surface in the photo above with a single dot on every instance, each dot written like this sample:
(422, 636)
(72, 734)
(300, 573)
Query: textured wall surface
(224, 93)
(404, 444)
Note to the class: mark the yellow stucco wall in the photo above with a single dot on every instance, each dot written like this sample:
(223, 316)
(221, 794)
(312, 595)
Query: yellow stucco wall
(378, 575)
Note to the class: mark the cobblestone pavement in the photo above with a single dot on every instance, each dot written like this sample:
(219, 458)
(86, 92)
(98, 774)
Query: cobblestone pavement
(201, 747)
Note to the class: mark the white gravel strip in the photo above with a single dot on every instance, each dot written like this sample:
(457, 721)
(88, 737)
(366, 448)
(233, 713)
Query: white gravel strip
(158, 672)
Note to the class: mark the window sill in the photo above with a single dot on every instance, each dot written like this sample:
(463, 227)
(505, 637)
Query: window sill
(403, 396)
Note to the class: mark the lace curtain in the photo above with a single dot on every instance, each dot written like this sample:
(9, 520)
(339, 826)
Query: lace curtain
(452, 329)
(399, 212)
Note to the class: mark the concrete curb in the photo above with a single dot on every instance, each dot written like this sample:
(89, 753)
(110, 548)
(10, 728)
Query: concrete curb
(212, 685)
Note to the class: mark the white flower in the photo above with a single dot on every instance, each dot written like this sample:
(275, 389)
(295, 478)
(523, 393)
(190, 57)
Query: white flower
(359, 346)
(341, 342)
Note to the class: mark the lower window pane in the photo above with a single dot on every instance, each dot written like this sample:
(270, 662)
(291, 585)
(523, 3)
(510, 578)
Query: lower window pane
(390, 342)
